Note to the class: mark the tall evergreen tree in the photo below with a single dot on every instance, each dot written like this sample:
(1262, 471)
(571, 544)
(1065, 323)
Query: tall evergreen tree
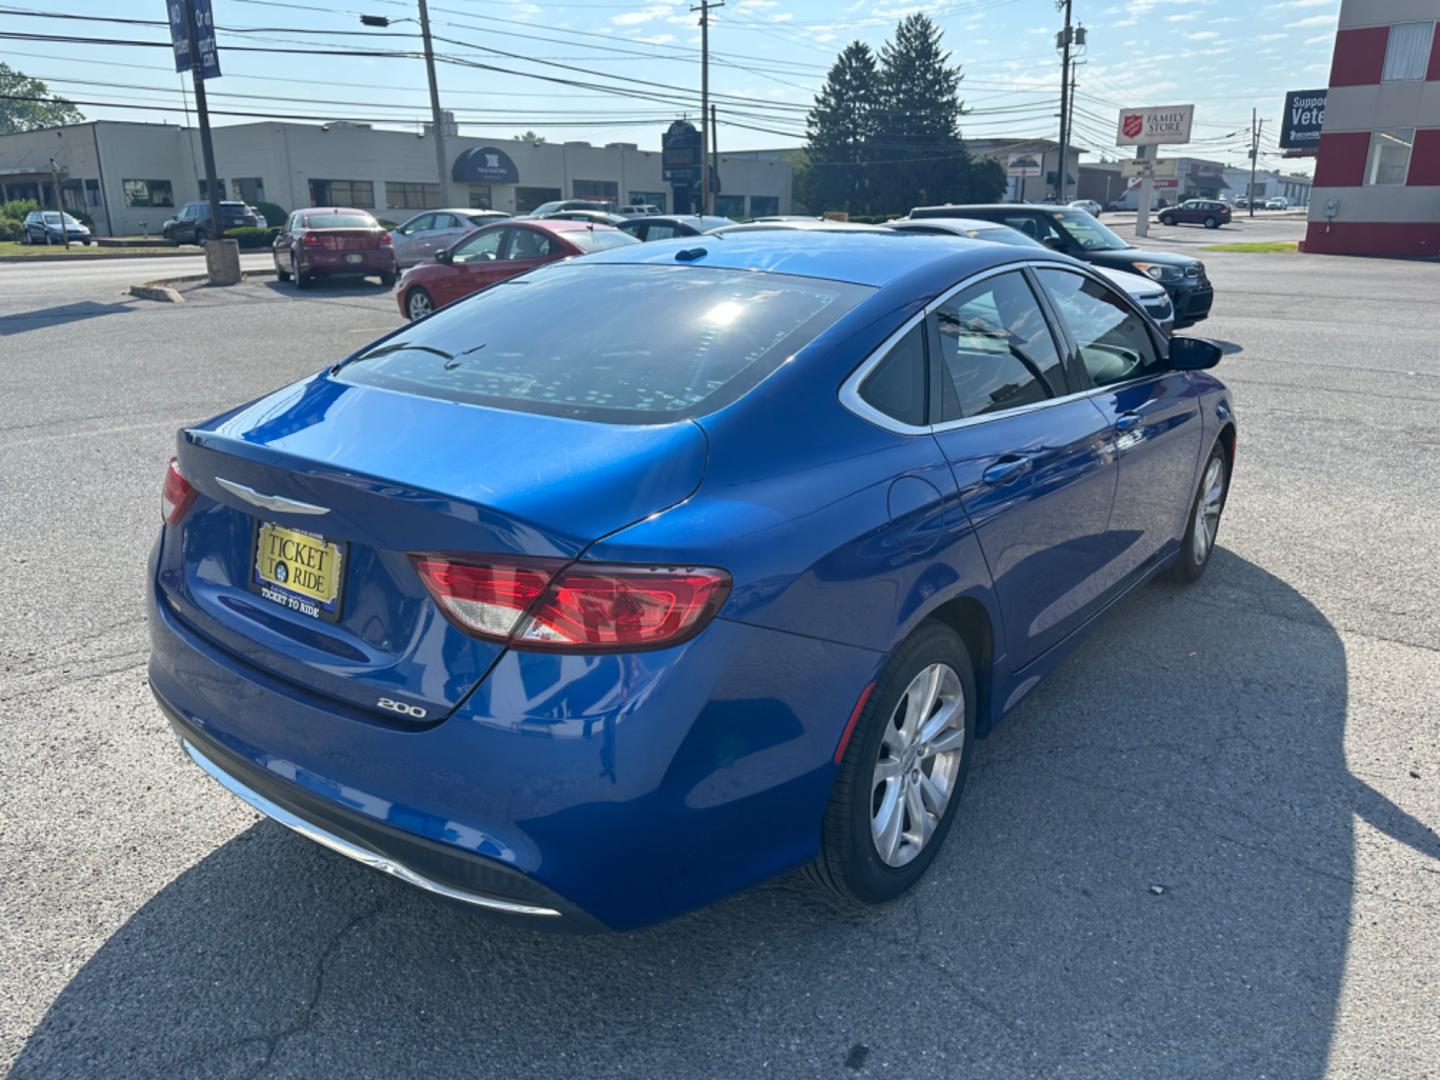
(918, 126)
(840, 129)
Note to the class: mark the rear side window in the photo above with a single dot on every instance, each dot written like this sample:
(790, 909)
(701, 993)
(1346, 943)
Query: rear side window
(897, 385)
(340, 221)
(1114, 344)
(613, 342)
(996, 349)
(599, 239)
(529, 244)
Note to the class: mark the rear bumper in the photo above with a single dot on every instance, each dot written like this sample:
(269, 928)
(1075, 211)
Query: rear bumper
(436, 868)
(617, 790)
(336, 263)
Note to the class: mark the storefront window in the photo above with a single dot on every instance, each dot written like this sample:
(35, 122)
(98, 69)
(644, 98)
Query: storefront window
(648, 198)
(764, 205)
(731, 206)
(148, 193)
(357, 193)
(528, 198)
(1389, 159)
(205, 191)
(250, 188)
(409, 196)
(480, 197)
(608, 190)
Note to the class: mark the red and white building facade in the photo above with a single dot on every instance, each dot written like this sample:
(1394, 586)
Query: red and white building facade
(1377, 176)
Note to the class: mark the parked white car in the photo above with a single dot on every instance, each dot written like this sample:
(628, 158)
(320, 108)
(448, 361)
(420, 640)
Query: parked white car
(1149, 294)
(1090, 206)
(1277, 202)
(432, 231)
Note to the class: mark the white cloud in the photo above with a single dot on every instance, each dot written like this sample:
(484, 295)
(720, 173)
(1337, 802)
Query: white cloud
(644, 15)
(1273, 37)
(1320, 39)
(1313, 20)
(656, 39)
(1189, 16)
(1204, 35)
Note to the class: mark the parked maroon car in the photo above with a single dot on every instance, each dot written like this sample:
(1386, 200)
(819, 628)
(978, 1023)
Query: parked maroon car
(333, 241)
(1207, 212)
(497, 252)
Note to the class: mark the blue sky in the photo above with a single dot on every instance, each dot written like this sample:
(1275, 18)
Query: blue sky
(769, 56)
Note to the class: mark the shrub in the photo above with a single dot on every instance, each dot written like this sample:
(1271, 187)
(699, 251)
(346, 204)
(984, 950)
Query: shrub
(11, 228)
(252, 238)
(82, 217)
(273, 214)
(18, 208)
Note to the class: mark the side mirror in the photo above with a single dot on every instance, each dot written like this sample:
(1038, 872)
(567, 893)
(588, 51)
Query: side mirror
(1193, 354)
(1054, 243)
(444, 256)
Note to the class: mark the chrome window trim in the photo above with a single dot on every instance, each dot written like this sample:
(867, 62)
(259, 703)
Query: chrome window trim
(850, 388)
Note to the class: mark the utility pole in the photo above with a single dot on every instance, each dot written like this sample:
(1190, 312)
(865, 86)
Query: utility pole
(1062, 42)
(704, 8)
(59, 202)
(714, 144)
(202, 109)
(437, 120)
(1255, 124)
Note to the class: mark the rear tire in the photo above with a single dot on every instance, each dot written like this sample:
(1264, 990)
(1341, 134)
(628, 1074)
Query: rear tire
(1211, 223)
(200, 237)
(1166, 219)
(1197, 543)
(388, 279)
(903, 756)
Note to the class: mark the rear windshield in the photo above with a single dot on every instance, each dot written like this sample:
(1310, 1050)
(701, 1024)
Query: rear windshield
(599, 239)
(340, 221)
(618, 343)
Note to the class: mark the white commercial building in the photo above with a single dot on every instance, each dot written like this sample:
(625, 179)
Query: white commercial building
(130, 177)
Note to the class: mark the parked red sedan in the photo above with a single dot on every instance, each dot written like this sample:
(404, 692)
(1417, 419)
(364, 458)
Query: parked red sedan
(497, 252)
(333, 241)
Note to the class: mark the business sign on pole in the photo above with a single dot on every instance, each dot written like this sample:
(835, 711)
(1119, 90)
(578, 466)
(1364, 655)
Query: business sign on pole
(1304, 117)
(1023, 165)
(204, 37)
(1158, 168)
(1166, 124)
(680, 154)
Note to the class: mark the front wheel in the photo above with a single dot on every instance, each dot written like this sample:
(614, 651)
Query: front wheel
(418, 304)
(1166, 219)
(1197, 543)
(281, 274)
(200, 237)
(1211, 223)
(901, 776)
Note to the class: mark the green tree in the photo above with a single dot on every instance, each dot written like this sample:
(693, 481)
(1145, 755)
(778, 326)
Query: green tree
(46, 110)
(840, 130)
(919, 125)
(530, 137)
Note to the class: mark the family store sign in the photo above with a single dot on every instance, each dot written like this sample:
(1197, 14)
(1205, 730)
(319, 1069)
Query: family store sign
(1167, 124)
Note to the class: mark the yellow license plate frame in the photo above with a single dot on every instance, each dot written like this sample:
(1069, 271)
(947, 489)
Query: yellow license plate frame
(299, 570)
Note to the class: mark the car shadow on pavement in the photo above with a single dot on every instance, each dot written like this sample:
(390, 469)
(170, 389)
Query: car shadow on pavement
(1151, 876)
(44, 318)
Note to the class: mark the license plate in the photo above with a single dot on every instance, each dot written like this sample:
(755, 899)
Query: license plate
(299, 570)
(356, 258)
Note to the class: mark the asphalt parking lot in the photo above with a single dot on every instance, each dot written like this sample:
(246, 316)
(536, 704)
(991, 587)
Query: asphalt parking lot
(1205, 848)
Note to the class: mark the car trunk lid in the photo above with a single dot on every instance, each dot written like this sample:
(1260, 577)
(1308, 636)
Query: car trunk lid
(417, 474)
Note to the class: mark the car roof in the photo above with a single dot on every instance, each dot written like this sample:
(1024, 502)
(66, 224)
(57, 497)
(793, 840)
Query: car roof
(985, 208)
(700, 221)
(555, 225)
(797, 225)
(874, 257)
(334, 210)
(463, 211)
(956, 223)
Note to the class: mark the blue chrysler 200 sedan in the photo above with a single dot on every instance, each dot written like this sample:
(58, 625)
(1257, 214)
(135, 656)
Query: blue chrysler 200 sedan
(645, 576)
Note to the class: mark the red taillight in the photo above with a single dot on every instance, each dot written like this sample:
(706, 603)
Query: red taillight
(544, 605)
(385, 238)
(176, 496)
(311, 239)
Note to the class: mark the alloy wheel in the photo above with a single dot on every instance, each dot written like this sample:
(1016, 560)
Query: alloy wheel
(917, 766)
(1207, 515)
(418, 304)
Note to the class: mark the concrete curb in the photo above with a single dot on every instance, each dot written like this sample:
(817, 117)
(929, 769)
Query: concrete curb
(105, 257)
(165, 291)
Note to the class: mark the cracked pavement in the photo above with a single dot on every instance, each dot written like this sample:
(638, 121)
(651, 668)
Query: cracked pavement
(1206, 847)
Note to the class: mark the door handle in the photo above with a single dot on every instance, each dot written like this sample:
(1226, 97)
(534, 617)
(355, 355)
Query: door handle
(1128, 421)
(1008, 469)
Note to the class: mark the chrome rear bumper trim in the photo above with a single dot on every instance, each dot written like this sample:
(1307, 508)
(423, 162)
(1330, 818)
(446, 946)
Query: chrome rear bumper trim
(355, 851)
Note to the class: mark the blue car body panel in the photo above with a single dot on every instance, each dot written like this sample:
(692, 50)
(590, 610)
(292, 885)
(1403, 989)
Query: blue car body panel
(640, 785)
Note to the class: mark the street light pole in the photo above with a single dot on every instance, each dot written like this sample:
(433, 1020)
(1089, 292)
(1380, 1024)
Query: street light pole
(202, 109)
(437, 118)
(1254, 157)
